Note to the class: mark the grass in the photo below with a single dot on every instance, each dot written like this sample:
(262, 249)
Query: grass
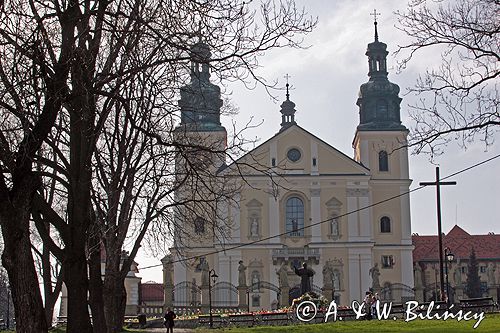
(491, 323)
(62, 329)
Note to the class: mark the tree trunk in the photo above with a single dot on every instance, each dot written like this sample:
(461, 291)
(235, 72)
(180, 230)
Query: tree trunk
(95, 284)
(115, 299)
(115, 296)
(18, 260)
(82, 116)
(75, 277)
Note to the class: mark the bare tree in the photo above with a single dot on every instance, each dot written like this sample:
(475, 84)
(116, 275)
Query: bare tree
(64, 68)
(6, 305)
(458, 99)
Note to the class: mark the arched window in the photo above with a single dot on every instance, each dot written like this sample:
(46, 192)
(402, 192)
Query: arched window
(383, 161)
(294, 214)
(385, 224)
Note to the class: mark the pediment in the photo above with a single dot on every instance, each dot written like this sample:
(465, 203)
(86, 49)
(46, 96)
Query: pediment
(333, 203)
(315, 157)
(254, 203)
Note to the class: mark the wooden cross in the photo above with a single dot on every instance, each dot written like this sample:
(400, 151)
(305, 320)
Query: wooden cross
(438, 184)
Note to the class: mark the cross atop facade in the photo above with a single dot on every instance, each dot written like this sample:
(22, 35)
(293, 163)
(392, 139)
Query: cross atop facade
(375, 14)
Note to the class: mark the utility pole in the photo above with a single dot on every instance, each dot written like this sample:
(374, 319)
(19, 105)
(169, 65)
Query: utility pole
(438, 184)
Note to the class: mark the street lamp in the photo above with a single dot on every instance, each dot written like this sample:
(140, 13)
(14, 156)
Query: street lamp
(449, 258)
(211, 276)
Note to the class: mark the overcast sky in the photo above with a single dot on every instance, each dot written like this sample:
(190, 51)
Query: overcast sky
(326, 79)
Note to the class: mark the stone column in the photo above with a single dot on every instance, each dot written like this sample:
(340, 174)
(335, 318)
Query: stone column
(315, 214)
(492, 292)
(205, 298)
(328, 292)
(284, 296)
(242, 298)
(459, 293)
(419, 294)
(168, 283)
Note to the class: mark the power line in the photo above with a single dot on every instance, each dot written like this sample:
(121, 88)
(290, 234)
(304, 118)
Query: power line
(324, 221)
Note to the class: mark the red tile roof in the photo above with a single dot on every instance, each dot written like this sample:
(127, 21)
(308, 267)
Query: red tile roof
(151, 292)
(459, 242)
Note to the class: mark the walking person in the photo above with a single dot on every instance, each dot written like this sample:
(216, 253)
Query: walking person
(169, 320)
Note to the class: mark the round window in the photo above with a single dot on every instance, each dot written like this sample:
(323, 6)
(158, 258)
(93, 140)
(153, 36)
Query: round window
(293, 154)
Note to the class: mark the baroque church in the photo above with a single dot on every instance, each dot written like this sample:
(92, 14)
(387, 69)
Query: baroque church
(295, 198)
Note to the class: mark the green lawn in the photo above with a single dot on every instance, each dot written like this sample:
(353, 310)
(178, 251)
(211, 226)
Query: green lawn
(489, 324)
(63, 330)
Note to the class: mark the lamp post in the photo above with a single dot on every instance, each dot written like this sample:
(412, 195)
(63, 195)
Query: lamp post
(211, 275)
(449, 258)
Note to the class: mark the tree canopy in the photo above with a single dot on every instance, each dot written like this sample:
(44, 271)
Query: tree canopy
(458, 97)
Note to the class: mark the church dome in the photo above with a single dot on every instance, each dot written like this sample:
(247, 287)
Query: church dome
(378, 99)
(200, 101)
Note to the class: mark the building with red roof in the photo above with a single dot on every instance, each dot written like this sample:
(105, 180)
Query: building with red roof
(460, 243)
(151, 293)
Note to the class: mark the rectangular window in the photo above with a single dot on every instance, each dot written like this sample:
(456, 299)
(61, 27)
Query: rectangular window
(464, 269)
(387, 261)
(482, 269)
(314, 161)
(273, 162)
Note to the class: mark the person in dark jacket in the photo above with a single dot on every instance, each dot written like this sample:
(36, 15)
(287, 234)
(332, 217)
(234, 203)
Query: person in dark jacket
(169, 320)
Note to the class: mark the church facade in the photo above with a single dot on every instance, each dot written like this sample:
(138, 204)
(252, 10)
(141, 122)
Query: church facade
(296, 199)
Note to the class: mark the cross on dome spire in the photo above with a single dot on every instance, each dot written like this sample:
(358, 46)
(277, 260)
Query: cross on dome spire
(375, 14)
(199, 32)
(287, 108)
(287, 87)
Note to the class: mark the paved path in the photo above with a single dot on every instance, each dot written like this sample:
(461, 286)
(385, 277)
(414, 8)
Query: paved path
(176, 330)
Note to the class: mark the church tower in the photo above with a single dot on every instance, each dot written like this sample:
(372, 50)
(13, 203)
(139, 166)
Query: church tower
(201, 101)
(380, 140)
(380, 144)
(200, 140)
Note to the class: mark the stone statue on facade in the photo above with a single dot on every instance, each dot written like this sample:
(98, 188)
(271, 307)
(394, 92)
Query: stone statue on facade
(417, 273)
(336, 279)
(242, 279)
(335, 226)
(375, 274)
(255, 281)
(204, 271)
(328, 274)
(490, 274)
(254, 227)
(283, 275)
(305, 278)
(194, 293)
